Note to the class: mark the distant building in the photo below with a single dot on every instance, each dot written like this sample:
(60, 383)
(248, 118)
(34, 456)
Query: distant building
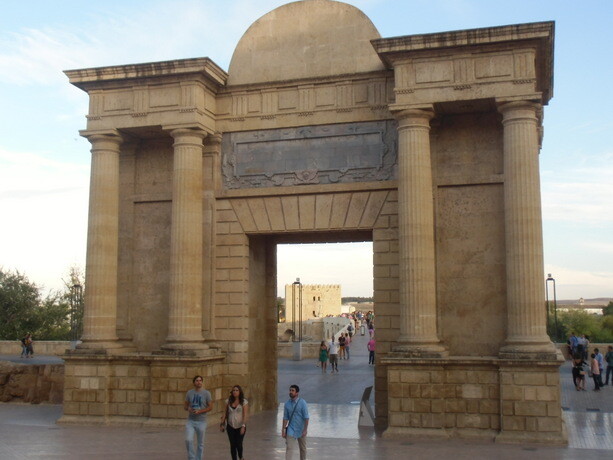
(318, 301)
(592, 306)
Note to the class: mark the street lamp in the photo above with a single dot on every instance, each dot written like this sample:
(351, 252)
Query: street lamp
(76, 301)
(297, 344)
(555, 302)
(297, 286)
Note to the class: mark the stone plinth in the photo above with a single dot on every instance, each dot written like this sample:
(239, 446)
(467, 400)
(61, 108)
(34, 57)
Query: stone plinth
(490, 398)
(136, 389)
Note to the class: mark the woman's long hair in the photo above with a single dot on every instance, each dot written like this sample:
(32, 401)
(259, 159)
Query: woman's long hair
(241, 395)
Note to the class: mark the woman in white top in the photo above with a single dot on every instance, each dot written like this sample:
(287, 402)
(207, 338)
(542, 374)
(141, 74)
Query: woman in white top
(234, 420)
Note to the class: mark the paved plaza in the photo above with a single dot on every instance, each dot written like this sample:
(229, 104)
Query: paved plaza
(30, 432)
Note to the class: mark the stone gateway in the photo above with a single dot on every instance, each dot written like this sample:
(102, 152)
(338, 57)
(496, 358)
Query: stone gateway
(322, 131)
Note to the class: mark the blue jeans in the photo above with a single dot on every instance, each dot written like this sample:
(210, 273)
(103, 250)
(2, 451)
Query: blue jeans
(198, 428)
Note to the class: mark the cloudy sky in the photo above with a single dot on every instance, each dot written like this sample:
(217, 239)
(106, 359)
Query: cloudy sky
(44, 164)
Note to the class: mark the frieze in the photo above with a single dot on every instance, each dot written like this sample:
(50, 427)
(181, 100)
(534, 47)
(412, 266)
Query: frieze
(339, 153)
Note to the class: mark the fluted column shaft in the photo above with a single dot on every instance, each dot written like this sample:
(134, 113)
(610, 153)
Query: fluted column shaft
(526, 325)
(185, 309)
(418, 317)
(100, 314)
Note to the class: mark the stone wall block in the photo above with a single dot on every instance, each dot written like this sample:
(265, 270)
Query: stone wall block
(549, 424)
(529, 378)
(514, 423)
(531, 408)
(472, 406)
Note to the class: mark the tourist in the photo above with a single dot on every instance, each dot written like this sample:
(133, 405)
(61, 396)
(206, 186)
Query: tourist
(371, 350)
(600, 361)
(350, 328)
(609, 359)
(333, 355)
(24, 347)
(579, 371)
(29, 346)
(574, 341)
(595, 372)
(295, 423)
(197, 403)
(234, 420)
(347, 344)
(341, 345)
(323, 356)
(584, 341)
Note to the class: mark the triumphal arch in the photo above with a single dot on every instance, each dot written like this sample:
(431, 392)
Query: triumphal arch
(322, 131)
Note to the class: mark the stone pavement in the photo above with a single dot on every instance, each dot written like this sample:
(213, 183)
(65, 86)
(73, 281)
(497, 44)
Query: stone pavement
(29, 431)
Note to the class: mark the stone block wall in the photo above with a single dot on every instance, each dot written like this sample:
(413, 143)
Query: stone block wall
(31, 383)
(509, 401)
(136, 389)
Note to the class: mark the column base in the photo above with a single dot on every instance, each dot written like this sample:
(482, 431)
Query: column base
(102, 347)
(534, 351)
(420, 350)
(184, 349)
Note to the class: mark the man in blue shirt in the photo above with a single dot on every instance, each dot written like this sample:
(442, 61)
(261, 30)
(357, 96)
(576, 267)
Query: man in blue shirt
(295, 423)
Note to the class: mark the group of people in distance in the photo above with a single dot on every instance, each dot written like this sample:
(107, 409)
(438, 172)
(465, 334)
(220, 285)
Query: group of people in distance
(234, 419)
(586, 364)
(339, 348)
(27, 346)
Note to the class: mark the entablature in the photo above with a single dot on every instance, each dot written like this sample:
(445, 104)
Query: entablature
(471, 64)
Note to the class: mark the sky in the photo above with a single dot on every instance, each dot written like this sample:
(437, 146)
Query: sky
(44, 163)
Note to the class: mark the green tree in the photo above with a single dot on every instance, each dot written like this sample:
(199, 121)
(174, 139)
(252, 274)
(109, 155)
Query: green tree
(52, 318)
(19, 301)
(608, 310)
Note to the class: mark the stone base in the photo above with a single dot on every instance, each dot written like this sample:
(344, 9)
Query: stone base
(136, 389)
(468, 397)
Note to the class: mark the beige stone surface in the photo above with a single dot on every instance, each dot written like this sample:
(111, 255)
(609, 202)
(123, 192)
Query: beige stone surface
(179, 260)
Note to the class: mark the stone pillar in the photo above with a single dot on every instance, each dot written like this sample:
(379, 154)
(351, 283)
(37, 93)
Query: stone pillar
(418, 315)
(211, 184)
(185, 309)
(100, 314)
(526, 325)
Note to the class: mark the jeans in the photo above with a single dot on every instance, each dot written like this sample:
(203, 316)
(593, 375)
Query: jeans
(198, 428)
(609, 371)
(290, 443)
(236, 442)
(371, 357)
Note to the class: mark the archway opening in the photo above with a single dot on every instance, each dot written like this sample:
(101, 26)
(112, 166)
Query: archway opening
(321, 287)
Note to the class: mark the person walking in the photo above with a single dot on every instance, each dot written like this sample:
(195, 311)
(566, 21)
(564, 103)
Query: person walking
(24, 347)
(234, 421)
(323, 356)
(29, 346)
(347, 344)
(609, 359)
(600, 361)
(197, 403)
(341, 343)
(295, 423)
(371, 350)
(595, 372)
(333, 355)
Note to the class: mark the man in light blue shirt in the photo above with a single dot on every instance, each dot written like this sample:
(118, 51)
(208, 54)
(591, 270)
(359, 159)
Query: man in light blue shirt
(295, 423)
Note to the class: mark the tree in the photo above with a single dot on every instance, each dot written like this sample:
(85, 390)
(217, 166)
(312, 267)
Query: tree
(19, 300)
(608, 310)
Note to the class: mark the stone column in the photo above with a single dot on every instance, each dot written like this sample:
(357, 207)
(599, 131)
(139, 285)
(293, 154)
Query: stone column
(418, 315)
(211, 184)
(185, 308)
(526, 325)
(100, 314)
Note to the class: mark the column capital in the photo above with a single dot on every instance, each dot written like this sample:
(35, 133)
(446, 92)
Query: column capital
(112, 136)
(401, 112)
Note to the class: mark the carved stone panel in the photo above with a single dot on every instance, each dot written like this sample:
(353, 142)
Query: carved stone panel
(353, 152)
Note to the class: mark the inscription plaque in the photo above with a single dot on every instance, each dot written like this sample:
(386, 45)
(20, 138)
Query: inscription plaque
(355, 152)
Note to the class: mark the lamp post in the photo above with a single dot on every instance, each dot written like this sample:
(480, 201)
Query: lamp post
(297, 289)
(555, 303)
(76, 301)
